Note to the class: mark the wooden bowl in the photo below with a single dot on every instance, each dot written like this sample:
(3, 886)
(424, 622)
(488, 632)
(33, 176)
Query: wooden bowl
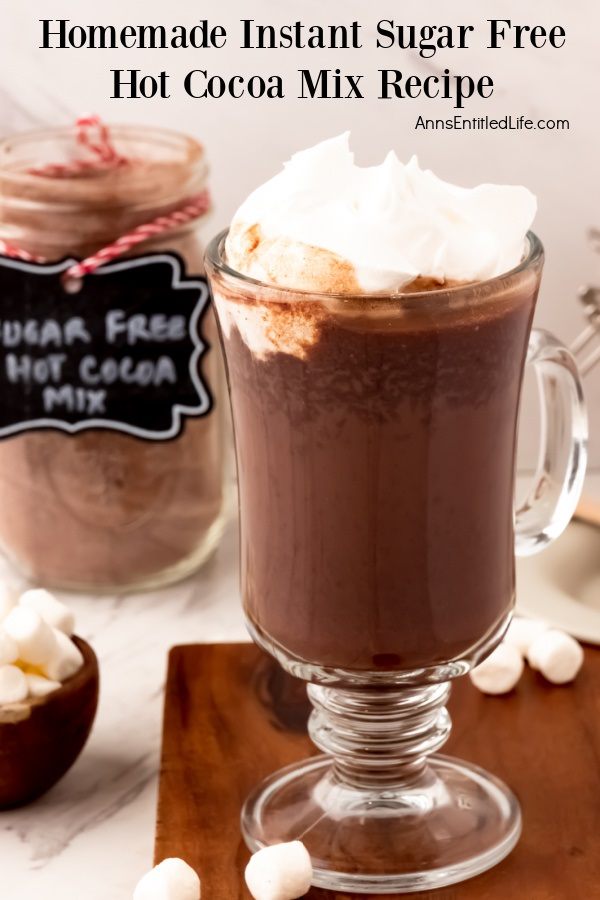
(41, 738)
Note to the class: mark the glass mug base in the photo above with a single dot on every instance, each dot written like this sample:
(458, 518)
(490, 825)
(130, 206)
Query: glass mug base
(452, 822)
(382, 811)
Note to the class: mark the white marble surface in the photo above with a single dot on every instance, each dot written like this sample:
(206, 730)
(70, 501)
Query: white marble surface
(92, 835)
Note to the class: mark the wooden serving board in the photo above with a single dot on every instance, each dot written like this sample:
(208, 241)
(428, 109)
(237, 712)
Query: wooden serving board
(232, 717)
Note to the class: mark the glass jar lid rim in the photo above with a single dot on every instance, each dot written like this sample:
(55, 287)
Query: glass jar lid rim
(175, 170)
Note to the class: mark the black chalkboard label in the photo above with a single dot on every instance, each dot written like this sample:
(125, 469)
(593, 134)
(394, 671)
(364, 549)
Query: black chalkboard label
(123, 353)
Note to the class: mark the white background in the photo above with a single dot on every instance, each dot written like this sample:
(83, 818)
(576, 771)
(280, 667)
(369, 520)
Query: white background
(247, 139)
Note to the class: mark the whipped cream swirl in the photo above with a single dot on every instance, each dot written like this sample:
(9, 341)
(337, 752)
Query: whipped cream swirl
(324, 223)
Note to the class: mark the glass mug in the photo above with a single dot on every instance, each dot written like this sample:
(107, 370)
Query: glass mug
(375, 443)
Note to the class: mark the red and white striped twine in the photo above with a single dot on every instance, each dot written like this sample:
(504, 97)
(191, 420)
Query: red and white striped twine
(14, 252)
(94, 136)
(193, 209)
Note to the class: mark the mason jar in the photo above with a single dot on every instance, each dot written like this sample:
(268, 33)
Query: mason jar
(102, 508)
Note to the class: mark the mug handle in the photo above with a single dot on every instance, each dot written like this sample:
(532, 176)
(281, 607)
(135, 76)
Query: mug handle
(560, 472)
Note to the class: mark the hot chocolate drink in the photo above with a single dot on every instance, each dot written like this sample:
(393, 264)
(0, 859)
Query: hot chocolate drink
(375, 325)
(375, 408)
(376, 480)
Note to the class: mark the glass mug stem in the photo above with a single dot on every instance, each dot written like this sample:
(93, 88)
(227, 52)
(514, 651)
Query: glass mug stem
(379, 740)
(381, 811)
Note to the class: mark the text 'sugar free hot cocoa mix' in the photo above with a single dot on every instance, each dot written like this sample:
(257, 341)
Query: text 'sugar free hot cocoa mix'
(112, 433)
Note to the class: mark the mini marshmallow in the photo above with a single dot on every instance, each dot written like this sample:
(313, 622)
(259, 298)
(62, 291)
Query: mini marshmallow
(523, 632)
(556, 655)
(52, 611)
(66, 660)
(9, 652)
(500, 672)
(172, 879)
(8, 600)
(34, 638)
(13, 685)
(279, 872)
(37, 686)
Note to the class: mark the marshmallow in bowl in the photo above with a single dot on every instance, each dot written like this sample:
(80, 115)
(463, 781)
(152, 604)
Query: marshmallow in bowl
(172, 879)
(52, 611)
(556, 655)
(65, 661)
(326, 224)
(38, 686)
(9, 652)
(35, 641)
(34, 638)
(522, 632)
(13, 685)
(279, 872)
(500, 671)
